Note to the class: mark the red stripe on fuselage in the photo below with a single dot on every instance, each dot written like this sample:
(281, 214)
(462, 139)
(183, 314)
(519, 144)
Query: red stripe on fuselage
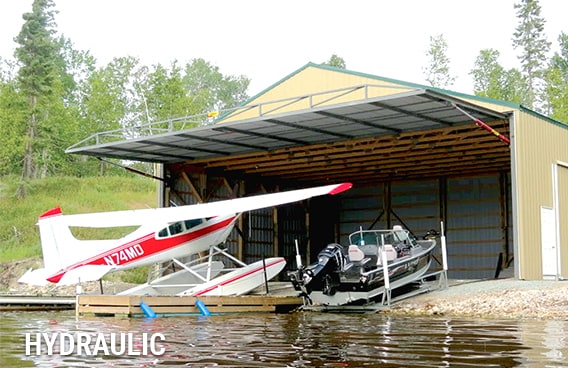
(149, 245)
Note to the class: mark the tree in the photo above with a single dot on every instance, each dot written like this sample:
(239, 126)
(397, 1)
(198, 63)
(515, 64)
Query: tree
(487, 74)
(13, 106)
(335, 61)
(491, 80)
(211, 90)
(557, 81)
(438, 72)
(37, 53)
(530, 38)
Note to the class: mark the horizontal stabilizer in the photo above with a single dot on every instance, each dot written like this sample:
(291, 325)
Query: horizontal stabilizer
(36, 277)
(84, 274)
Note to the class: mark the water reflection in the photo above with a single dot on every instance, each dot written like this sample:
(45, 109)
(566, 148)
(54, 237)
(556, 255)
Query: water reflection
(302, 340)
(547, 340)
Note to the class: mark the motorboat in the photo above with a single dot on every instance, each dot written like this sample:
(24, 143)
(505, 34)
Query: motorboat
(355, 274)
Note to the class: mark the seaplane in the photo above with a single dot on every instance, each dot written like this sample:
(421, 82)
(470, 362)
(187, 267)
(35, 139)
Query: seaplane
(161, 235)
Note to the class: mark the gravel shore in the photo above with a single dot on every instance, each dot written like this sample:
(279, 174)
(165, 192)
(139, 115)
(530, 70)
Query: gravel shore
(497, 298)
(500, 298)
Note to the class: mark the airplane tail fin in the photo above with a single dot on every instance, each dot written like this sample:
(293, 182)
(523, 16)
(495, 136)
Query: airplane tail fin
(57, 242)
(56, 239)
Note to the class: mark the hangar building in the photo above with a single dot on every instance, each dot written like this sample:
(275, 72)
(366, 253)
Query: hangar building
(417, 156)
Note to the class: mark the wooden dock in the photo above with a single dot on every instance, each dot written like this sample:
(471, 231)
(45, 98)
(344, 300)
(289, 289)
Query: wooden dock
(129, 306)
(35, 303)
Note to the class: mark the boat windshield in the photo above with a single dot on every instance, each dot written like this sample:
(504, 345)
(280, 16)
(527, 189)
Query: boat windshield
(380, 237)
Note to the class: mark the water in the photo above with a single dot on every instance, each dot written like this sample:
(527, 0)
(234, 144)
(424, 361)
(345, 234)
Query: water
(302, 340)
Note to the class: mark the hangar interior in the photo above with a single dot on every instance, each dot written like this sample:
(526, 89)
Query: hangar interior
(413, 156)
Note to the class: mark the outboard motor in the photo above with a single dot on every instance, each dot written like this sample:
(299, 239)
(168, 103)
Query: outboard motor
(322, 275)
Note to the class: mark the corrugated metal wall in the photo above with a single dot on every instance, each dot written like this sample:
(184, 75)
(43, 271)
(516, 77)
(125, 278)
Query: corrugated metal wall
(292, 227)
(477, 223)
(477, 210)
(258, 230)
(538, 145)
(361, 206)
(474, 226)
(416, 205)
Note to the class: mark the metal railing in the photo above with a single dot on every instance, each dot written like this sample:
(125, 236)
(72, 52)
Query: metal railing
(259, 110)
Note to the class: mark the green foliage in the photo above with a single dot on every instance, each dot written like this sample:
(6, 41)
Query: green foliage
(438, 72)
(57, 97)
(37, 49)
(13, 117)
(53, 96)
(491, 80)
(138, 275)
(557, 81)
(530, 38)
(19, 237)
(106, 97)
(335, 61)
(210, 90)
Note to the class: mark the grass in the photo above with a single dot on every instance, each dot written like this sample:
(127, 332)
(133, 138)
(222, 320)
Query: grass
(19, 236)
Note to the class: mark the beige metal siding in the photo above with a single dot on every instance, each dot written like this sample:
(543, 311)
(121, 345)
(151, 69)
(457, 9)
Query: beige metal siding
(539, 144)
(563, 218)
(329, 87)
(488, 105)
(315, 87)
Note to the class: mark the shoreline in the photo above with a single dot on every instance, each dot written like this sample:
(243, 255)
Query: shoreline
(506, 298)
(496, 298)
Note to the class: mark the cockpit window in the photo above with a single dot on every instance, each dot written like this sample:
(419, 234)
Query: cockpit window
(175, 228)
(192, 223)
(179, 227)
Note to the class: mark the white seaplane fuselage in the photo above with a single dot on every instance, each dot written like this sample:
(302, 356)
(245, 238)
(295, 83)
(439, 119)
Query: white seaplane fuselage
(162, 234)
(143, 247)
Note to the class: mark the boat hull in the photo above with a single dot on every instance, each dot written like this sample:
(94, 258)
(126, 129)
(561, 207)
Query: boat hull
(360, 294)
(339, 278)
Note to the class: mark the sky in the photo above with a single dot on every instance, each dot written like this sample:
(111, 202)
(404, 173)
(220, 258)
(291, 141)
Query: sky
(267, 40)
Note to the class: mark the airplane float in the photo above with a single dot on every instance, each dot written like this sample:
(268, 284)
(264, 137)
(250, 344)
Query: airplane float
(163, 234)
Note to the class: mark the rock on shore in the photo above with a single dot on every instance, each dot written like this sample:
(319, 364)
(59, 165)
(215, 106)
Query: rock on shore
(501, 298)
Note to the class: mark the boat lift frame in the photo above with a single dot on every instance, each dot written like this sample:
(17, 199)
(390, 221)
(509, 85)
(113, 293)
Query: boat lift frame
(443, 273)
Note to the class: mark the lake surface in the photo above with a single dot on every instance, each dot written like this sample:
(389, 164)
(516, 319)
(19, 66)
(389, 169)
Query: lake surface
(306, 339)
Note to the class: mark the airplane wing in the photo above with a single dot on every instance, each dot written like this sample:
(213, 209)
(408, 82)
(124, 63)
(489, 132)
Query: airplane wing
(196, 211)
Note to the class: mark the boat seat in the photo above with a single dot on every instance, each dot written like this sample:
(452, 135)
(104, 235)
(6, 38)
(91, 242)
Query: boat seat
(391, 254)
(370, 249)
(355, 253)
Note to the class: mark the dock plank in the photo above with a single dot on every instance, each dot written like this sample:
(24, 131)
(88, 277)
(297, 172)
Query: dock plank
(121, 305)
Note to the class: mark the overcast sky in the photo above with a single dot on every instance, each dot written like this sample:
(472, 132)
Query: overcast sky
(267, 40)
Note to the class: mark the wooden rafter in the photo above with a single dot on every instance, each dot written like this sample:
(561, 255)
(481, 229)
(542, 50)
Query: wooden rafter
(452, 150)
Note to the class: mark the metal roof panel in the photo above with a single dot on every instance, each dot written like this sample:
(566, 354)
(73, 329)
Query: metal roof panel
(405, 112)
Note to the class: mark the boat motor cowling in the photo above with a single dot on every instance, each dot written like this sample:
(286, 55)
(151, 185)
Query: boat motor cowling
(322, 274)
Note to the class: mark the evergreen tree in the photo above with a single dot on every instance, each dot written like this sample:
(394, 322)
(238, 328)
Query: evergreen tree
(37, 54)
(438, 72)
(530, 38)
